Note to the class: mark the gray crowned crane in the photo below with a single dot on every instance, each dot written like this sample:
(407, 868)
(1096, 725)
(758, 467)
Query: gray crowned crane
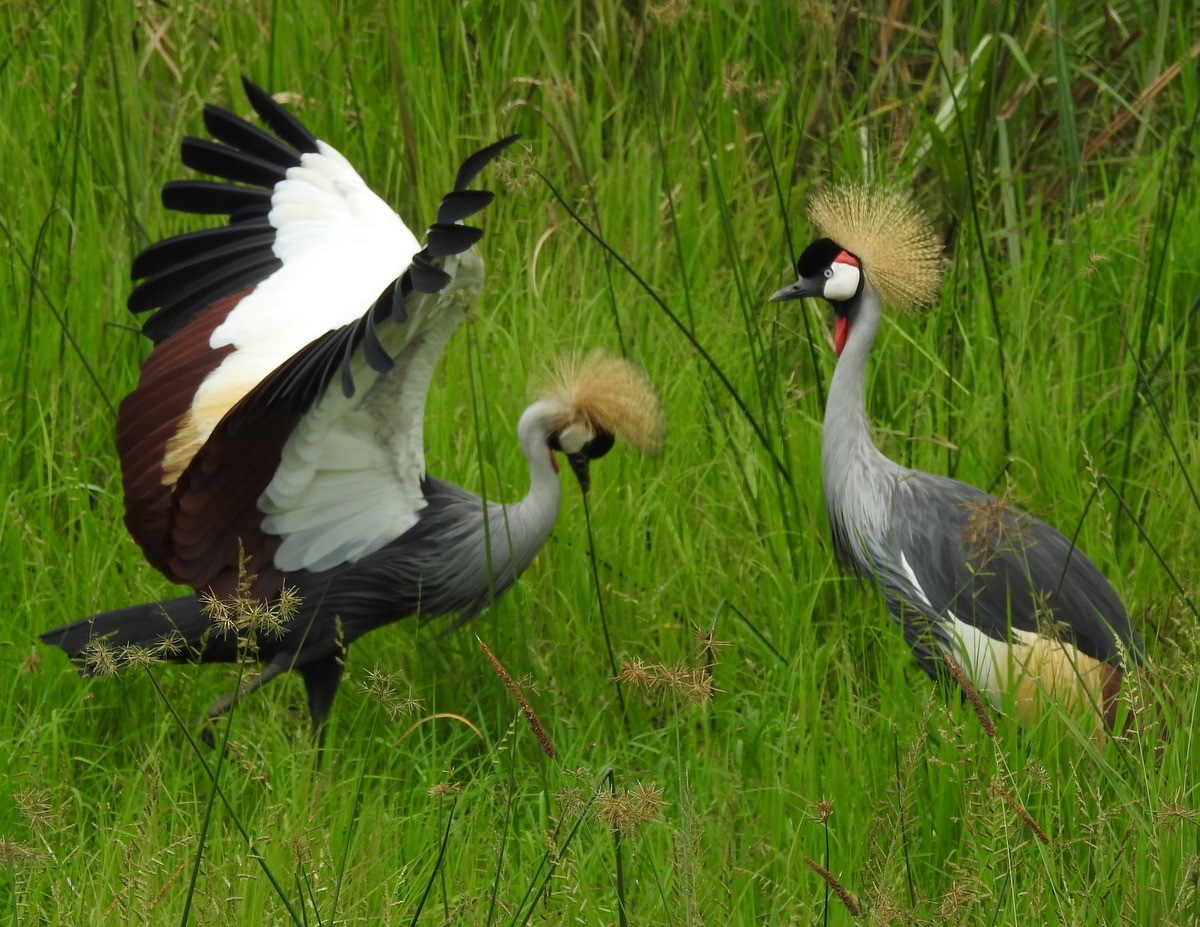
(272, 450)
(1020, 610)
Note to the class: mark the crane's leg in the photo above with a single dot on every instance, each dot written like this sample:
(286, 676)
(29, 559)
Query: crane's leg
(221, 705)
(321, 678)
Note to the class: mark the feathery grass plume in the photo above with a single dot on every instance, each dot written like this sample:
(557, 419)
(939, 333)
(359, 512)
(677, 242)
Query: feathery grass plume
(972, 694)
(100, 658)
(38, 808)
(1019, 811)
(994, 527)
(446, 789)
(709, 644)
(885, 228)
(170, 644)
(13, 854)
(627, 810)
(608, 391)
(247, 615)
(693, 684)
(573, 797)
(838, 888)
(535, 723)
(382, 687)
(166, 886)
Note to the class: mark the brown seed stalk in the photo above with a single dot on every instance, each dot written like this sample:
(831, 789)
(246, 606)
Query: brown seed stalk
(531, 717)
(838, 888)
(1020, 812)
(973, 696)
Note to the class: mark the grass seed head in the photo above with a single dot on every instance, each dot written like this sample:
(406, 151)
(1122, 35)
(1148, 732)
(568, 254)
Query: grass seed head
(443, 790)
(13, 854)
(626, 811)
(692, 684)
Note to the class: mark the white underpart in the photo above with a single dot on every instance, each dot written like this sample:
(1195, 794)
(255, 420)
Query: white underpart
(843, 283)
(340, 245)
(349, 479)
(988, 663)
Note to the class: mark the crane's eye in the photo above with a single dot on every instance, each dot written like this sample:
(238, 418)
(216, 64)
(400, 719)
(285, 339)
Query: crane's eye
(828, 273)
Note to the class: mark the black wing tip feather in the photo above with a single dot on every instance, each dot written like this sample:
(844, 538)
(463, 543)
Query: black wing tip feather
(426, 276)
(282, 122)
(461, 204)
(302, 380)
(249, 162)
(210, 197)
(444, 239)
(477, 162)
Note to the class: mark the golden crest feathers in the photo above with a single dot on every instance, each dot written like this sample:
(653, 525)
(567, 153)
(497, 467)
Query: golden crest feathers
(900, 251)
(610, 392)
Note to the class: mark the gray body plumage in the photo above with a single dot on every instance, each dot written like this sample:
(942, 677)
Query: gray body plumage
(454, 561)
(945, 553)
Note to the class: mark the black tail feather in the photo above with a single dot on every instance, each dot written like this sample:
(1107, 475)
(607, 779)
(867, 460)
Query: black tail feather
(173, 629)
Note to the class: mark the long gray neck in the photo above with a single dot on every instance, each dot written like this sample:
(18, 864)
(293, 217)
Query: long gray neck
(858, 479)
(524, 526)
(467, 552)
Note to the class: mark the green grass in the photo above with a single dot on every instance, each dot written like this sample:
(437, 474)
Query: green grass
(1063, 360)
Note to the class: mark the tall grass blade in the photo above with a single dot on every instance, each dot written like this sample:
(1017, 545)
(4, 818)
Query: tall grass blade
(437, 865)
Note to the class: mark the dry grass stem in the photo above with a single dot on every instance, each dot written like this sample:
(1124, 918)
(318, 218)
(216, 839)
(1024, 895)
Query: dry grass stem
(972, 694)
(1020, 812)
(535, 724)
(838, 888)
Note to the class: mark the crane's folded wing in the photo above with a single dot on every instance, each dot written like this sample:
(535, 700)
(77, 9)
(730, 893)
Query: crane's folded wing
(999, 570)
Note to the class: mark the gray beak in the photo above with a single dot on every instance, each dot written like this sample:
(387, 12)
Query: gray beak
(593, 450)
(580, 466)
(805, 286)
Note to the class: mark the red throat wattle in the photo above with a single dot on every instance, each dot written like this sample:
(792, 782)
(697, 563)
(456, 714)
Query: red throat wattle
(841, 331)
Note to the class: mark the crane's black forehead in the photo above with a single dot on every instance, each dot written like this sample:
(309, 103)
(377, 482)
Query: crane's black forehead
(817, 257)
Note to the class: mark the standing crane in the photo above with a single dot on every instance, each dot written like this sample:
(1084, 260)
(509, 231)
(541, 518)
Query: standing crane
(1011, 602)
(272, 450)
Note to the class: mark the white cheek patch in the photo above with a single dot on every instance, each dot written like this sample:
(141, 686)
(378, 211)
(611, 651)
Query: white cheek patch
(572, 438)
(844, 282)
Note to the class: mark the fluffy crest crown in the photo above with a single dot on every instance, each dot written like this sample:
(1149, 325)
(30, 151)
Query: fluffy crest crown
(610, 392)
(900, 251)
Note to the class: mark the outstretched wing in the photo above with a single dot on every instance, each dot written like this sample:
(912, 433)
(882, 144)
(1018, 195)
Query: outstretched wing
(275, 331)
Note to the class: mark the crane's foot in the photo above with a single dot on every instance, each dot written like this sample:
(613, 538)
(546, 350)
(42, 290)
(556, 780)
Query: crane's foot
(222, 705)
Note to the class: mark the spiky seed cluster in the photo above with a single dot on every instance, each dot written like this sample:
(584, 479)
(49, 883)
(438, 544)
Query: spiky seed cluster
(900, 251)
(627, 810)
(611, 392)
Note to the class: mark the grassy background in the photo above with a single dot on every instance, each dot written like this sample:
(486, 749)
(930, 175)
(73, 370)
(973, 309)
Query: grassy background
(1055, 144)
